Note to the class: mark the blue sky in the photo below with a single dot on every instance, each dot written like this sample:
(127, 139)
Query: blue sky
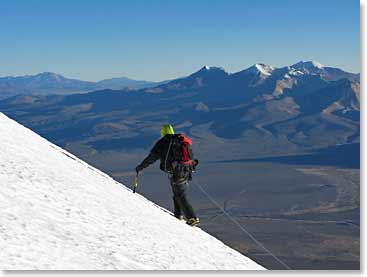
(164, 39)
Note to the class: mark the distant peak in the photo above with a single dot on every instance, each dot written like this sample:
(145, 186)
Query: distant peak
(308, 65)
(260, 68)
(317, 64)
(207, 67)
(264, 69)
(209, 70)
(50, 75)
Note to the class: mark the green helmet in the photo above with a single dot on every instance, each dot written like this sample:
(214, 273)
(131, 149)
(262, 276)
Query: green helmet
(167, 130)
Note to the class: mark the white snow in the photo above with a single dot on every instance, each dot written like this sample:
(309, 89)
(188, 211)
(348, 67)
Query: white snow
(264, 69)
(57, 212)
(295, 72)
(317, 64)
(308, 66)
(212, 68)
(261, 70)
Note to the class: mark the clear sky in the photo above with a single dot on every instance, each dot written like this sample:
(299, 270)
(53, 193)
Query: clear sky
(163, 39)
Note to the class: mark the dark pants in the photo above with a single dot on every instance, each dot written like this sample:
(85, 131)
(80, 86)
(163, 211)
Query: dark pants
(179, 184)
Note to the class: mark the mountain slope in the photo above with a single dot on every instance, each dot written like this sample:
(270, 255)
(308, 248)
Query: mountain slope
(124, 82)
(60, 213)
(42, 83)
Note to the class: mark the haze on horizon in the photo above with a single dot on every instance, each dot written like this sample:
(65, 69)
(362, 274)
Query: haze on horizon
(160, 40)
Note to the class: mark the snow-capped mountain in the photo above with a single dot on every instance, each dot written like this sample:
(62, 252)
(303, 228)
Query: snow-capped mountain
(308, 66)
(258, 78)
(57, 212)
(298, 69)
(206, 69)
(206, 74)
(254, 75)
(325, 72)
(259, 68)
(301, 68)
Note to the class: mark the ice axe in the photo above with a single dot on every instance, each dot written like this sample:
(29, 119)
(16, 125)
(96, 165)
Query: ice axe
(136, 182)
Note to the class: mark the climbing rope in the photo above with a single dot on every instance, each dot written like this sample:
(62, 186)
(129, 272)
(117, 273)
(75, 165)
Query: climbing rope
(239, 225)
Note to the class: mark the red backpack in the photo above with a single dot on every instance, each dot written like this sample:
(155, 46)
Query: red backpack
(181, 149)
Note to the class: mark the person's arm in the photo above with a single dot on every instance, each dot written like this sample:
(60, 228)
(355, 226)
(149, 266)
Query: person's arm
(150, 159)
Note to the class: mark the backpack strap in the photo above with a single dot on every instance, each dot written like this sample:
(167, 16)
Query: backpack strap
(169, 148)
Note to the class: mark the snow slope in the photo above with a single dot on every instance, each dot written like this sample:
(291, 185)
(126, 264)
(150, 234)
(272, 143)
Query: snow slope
(57, 212)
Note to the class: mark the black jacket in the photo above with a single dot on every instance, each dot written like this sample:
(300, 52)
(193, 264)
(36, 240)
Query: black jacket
(159, 152)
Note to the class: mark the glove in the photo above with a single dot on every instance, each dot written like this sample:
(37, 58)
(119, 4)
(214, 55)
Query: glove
(139, 168)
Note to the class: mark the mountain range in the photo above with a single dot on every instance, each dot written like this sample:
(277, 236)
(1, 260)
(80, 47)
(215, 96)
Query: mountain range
(48, 83)
(291, 105)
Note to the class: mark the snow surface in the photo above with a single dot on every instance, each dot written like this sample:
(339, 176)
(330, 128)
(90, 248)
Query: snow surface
(57, 212)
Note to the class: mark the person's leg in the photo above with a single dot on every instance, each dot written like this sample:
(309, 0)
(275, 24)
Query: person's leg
(177, 211)
(180, 199)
